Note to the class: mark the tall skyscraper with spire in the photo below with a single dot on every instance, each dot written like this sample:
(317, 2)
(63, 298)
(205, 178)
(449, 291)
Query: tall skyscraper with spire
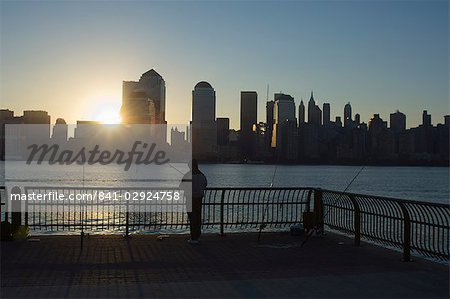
(144, 101)
(301, 113)
(311, 108)
(314, 112)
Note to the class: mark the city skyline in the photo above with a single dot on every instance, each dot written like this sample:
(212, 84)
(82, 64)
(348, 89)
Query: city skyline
(380, 56)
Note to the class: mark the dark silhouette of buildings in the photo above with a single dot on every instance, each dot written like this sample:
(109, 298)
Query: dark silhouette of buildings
(284, 127)
(144, 101)
(347, 115)
(326, 114)
(314, 112)
(60, 131)
(204, 126)
(284, 138)
(269, 126)
(249, 106)
(301, 113)
(40, 131)
(223, 131)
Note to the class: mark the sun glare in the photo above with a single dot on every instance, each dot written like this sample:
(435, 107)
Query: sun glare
(104, 109)
(108, 116)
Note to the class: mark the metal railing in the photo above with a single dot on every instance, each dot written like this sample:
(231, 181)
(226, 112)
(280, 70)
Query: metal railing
(234, 209)
(412, 226)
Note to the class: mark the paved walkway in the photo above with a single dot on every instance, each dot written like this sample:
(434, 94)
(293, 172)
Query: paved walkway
(231, 266)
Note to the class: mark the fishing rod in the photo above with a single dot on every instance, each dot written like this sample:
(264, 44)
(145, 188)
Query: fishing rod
(263, 225)
(176, 169)
(334, 202)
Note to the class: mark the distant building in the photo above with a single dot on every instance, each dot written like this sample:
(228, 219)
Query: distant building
(6, 116)
(87, 130)
(40, 132)
(398, 122)
(204, 127)
(338, 122)
(144, 101)
(357, 119)
(223, 131)
(314, 112)
(284, 119)
(249, 106)
(140, 109)
(177, 138)
(326, 114)
(36, 117)
(269, 124)
(301, 113)
(426, 119)
(381, 140)
(397, 126)
(36, 131)
(59, 134)
(347, 115)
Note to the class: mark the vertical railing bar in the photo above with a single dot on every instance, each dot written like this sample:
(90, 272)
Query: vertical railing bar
(356, 220)
(406, 234)
(222, 212)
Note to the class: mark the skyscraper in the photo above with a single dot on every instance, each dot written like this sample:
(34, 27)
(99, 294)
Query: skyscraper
(223, 131)
(139, 98)
(249, 103)
(203, 103)
(326, 114)
(357, 119)
(426, 119)
(314, 112)
(311, 109)
(284, 110)
(398, 122)
(60, 128)
(301, 113)
(204, 127)
(37, 117)
(269, 123)
(347, 115)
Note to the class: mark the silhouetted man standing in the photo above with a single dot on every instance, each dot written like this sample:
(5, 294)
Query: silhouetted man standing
(199, 184)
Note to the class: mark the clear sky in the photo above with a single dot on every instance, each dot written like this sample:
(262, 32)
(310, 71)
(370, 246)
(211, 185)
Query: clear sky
(70, 58)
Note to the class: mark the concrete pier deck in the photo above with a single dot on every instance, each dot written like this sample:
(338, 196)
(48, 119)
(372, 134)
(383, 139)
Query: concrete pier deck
(231, 266)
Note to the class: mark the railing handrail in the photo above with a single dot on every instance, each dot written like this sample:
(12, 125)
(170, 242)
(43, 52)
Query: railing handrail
(391, 199)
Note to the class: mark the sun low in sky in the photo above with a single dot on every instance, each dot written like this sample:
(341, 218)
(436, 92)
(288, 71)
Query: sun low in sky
(104, 109)
(108, 116)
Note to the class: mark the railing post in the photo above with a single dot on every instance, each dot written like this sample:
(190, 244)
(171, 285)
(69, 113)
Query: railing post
(222, 212)
(26, 211)
(308, 205)
(127, 220)
(356, 220)
(16, 208)
(318, 209)
(406, 233)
